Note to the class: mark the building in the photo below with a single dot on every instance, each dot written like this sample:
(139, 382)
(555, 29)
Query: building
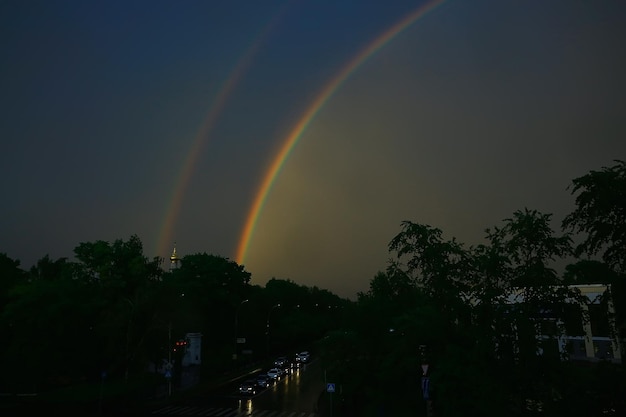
(600, 340)
(589, 333)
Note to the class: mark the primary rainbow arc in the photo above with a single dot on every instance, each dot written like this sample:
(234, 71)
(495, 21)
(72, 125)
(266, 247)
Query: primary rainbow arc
(302, 124)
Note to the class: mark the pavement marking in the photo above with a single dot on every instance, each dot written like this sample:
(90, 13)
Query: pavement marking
(187, 410)
(227, 412)
(223, 413)
(164, 409)
(202, 412)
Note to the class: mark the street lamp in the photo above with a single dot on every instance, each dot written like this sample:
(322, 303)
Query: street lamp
(267, 329)
(236, 317)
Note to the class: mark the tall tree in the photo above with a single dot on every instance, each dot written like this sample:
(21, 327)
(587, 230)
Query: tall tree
(204, 293)
(436, 265)
(52, 318)
(539, 303)
(50, 270)
(123, 277)
(601, 214)
(531, 246)
(10, 275)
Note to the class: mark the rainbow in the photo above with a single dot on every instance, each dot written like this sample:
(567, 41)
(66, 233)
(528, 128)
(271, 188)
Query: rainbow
(327, 92)
(164, 240)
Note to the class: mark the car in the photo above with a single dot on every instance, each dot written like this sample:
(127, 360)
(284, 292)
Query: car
(280, 361)
(298, 363)
(303, 357)
(275, 373)
(248, 387)
(264, 381)
(284, 364)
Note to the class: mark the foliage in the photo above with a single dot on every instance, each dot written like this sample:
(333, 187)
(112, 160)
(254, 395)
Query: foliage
(471, 314)
(529, 243)
(600, 217)
(600, 214)
(10, 276)
(437, 266)
(113, 310)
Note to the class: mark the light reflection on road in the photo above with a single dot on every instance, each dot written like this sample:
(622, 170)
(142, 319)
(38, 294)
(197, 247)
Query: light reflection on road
(294, 394)
(245, 405)
(297, 391)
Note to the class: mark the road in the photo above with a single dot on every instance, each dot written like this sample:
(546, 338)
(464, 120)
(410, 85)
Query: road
(295, 395)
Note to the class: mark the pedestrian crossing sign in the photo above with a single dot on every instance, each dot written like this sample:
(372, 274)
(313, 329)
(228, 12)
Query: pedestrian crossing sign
(330, 387)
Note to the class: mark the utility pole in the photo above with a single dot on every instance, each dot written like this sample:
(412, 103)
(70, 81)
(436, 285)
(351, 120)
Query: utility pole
(267, 328)
(169, 358)
(236, 339)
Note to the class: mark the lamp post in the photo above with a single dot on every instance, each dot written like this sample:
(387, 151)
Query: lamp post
(267, 328)
(236, 319)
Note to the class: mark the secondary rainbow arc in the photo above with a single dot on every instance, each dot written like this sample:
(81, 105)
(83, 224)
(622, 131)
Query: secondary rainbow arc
(164, 239)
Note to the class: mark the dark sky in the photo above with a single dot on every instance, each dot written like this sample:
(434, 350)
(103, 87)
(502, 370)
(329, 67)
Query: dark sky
(477, 109)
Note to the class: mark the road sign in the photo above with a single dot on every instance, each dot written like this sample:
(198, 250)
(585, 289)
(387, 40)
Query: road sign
(241, 340)
(330, 387)
(168, 374)
(424, 369)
